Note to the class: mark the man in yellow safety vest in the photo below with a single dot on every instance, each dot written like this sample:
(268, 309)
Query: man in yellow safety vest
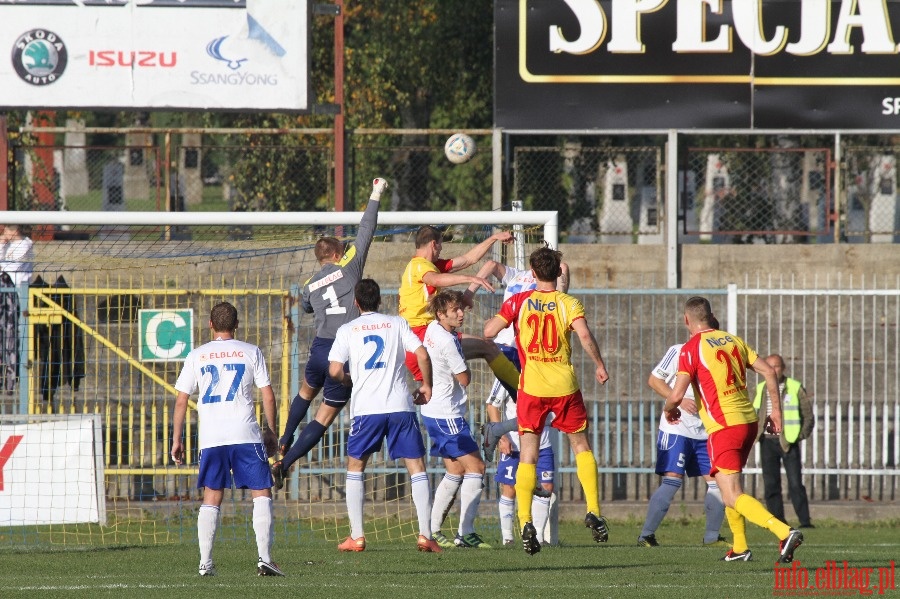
(776, 448)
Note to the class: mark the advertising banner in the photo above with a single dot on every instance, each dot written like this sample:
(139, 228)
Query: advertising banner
(51, 472)
(660, 64)
(154, 54)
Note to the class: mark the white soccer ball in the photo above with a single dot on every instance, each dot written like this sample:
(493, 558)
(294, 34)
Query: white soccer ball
(459, 148)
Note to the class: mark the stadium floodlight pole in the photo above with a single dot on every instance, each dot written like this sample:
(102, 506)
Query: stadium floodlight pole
(548, 219)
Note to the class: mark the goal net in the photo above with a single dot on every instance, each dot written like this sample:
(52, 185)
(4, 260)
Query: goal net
(117, 300)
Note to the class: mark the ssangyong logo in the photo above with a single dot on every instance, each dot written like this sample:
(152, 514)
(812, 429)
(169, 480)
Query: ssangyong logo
(39, 57)
(233, 58)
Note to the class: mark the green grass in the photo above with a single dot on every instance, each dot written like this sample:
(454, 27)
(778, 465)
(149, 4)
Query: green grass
(680, 569)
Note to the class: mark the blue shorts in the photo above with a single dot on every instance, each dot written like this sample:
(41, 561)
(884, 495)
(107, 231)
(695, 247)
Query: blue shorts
(512, 353)
(404, 439)
(247, 461)
(681, 455)
(335, 394)
(509, 464)
(450, 437)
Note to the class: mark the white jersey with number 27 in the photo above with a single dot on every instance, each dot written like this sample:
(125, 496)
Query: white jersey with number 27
(225, 371)
(376, 345)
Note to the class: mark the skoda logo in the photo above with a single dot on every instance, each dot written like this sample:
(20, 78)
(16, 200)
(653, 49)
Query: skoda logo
(39, 57)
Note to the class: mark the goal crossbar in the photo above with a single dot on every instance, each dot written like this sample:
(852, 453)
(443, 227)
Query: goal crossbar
(545, 218)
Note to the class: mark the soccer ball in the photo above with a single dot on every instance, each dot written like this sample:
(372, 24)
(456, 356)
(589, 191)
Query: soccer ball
(459, 148)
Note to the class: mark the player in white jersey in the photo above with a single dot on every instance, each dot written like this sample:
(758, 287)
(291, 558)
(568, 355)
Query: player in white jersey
(445, 420)
(681, 449)
(229, 438)
(514, 281)
(381, 406)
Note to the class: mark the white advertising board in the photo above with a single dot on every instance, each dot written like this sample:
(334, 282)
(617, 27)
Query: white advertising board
(154, 54)
(51, 472)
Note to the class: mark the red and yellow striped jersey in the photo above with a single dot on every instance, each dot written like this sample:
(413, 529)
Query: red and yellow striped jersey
(543, 321)
(717, 363)
(414, 293)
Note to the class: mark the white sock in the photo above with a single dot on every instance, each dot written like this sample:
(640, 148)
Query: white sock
(507, 508)
(355, 488)
(207, 523)
(715, 512)
(263, 526)
(470, 499)
(444, 496)
(540, 511)
(421, 492)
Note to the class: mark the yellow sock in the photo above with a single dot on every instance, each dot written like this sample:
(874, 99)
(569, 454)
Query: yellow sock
(737, 524)
(526, 479)
(586, 469)
(505, 371)
(756, 512)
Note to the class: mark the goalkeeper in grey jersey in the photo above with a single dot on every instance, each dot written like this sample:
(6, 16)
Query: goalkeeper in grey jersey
(328, 295)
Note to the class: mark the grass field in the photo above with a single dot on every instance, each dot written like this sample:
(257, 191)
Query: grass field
(681, 568)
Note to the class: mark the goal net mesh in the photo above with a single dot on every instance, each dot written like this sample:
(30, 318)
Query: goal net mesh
(86, 344)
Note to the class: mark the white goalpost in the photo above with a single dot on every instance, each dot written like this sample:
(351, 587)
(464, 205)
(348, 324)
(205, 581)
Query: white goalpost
(102, 279)
(546, 219)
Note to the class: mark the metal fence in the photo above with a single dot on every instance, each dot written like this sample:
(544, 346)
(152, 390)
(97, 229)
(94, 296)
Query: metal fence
(840, 343)
(732, 187)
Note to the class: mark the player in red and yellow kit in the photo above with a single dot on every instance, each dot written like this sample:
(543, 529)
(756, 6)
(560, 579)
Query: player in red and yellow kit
(543, 319)
(716, 363)
(426, 273)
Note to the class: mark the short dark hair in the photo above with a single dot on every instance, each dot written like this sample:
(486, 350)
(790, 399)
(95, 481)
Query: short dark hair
(546, 264)
(426, 234)
(441, 301)
(224, 317)
(327, 247)
(699, 310)
(368, 295)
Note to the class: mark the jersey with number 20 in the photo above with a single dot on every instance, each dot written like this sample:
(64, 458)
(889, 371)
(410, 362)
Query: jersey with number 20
(224, 371)
(375, 345)
(543, 324)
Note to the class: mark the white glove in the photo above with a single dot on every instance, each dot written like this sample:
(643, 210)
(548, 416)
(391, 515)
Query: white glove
(378, 186)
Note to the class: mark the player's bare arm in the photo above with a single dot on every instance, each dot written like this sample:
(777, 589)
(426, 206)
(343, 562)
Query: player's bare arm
(762, 368)
(675, 397)
(659, 386)
(446, 279)
(589, 343)
(270, 438)
(478, 252)
(488, 269)
(425, 367)
(181, 402)
(493, 326)
(336, 371)
(562, 282)
(663, 390)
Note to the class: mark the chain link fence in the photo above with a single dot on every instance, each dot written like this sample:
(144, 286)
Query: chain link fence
(606, 189)
(760, 195)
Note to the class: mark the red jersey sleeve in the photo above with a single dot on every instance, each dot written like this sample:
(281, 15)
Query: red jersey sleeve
(443, 265)
(687, 360)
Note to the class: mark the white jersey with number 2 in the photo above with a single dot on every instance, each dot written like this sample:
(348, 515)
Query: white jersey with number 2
(376, 345)
(225, 371)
